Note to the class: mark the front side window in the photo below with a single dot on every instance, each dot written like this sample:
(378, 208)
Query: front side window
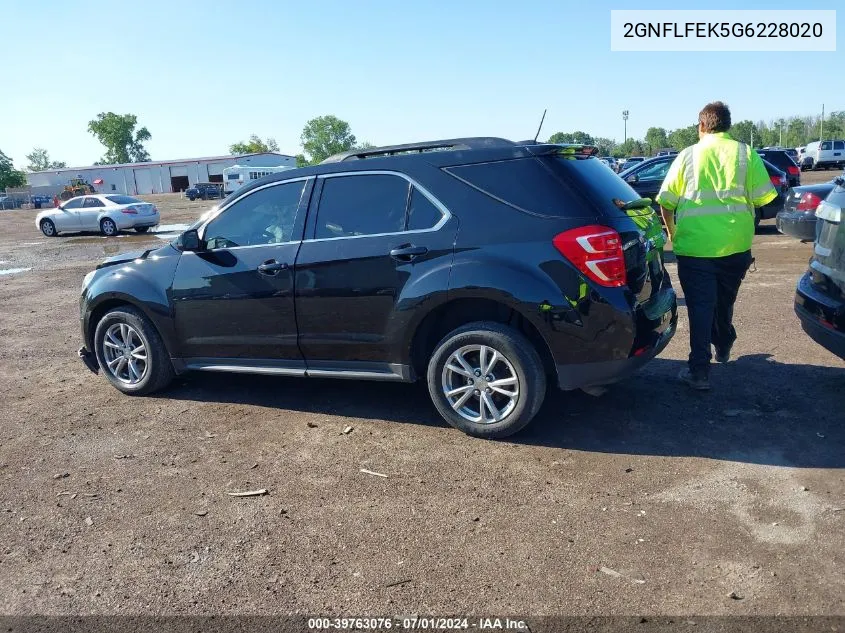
(232, 177)
(826, 145)
(265, 216)
(368, 204)
(74, 203)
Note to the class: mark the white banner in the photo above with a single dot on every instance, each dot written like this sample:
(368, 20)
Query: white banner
(723, 30)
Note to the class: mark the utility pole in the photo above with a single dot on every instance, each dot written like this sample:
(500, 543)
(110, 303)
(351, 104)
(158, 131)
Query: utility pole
(821, 125)
(625, 120)
(780, 141)
(752, 136)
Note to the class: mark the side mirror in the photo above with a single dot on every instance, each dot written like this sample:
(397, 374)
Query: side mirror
(190, 241)
(632, 179)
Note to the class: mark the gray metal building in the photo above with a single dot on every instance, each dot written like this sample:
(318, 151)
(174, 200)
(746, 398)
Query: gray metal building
(158, 176)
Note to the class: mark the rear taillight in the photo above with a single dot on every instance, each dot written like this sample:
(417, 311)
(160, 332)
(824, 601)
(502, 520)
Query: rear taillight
(793, 170)
(808, 202)
(596, 251)
(130, 211)
(777, 181)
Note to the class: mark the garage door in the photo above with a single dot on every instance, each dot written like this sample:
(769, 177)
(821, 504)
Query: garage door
(143, 181)
(179, 170)
(216, 169)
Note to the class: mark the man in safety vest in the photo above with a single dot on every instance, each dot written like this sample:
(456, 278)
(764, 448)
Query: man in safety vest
(708, 200)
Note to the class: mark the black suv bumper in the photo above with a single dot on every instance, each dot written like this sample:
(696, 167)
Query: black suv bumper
(820, 316)
(656, 332)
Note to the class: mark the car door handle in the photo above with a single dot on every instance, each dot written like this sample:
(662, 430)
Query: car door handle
(271, 267)
(408, 252)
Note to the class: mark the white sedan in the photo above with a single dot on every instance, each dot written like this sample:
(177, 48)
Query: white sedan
(106, 213)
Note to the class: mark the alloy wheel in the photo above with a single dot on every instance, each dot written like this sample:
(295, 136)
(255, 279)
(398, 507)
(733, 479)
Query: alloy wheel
(480, 384)
(125, 353)
(109, 227)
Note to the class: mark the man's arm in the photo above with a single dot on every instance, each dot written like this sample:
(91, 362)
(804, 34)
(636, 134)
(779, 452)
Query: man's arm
(670, 192)
(669, 221)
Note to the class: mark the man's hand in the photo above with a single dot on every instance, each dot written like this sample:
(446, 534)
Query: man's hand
(669, 221)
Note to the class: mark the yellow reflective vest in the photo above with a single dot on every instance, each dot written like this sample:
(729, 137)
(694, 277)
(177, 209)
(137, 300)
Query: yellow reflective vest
(713, 188)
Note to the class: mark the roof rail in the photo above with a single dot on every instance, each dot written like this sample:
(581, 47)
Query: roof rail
(477, 142)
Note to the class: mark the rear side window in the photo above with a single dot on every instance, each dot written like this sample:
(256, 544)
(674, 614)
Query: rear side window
(368, 204)
(122, 199)
(422, 214)
(533, 185)
(838, 144)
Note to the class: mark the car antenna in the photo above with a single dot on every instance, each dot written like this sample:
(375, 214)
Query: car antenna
(536, 136)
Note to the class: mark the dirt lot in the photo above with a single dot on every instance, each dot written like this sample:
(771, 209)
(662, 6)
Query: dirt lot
(111, 504)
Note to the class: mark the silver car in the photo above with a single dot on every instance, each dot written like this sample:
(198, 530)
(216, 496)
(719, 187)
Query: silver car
(106, 213)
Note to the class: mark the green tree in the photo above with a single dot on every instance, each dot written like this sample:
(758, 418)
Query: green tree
(656, 139)
(631, 147)
(743, 130)
(255, 146)
(606, 146)
(117, 132)
(9, 176)
(39, 160)
(571, 137)
(683, 137)
(325, 136)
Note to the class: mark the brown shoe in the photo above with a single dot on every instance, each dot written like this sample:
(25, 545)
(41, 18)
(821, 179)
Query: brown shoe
(696, 381)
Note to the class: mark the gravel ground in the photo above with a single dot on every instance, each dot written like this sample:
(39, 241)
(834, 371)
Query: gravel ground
(111, 504)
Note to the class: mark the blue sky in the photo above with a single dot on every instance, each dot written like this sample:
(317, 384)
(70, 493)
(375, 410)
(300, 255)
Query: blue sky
(397, 71)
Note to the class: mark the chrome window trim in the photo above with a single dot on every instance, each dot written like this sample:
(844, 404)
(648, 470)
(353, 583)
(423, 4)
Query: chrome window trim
(446, 214)
(202, 228)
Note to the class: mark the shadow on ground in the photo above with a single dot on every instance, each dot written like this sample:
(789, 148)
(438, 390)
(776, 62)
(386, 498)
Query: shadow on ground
(760, 411)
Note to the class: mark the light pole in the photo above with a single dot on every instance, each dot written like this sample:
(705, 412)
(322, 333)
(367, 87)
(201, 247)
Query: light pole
(625, 120)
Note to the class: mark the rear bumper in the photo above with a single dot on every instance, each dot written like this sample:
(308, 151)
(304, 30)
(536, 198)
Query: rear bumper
(831, 340)
(797, 224)
(582, 376)
(819, 314)
(89, 360)
(139, 221)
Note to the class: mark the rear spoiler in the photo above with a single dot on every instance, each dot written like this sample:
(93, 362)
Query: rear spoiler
(574, 150)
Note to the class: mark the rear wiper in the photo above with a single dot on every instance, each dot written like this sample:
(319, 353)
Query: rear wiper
(639, 203)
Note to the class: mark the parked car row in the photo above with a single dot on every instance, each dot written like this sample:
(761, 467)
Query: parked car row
(647, 176)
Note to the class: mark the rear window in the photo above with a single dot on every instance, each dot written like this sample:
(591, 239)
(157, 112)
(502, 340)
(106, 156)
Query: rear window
(778, 158)
(535, 185)
(122, 199)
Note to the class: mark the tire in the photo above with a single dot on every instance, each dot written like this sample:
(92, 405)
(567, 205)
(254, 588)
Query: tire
(108, 227)
(191, 198)
(155, 373)
(48, 228)
(142, 229)
(520, 361)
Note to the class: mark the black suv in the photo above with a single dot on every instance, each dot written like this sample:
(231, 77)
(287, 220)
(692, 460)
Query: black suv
(783, 160)
(205, 191)
(820, 296)
(482, 266)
